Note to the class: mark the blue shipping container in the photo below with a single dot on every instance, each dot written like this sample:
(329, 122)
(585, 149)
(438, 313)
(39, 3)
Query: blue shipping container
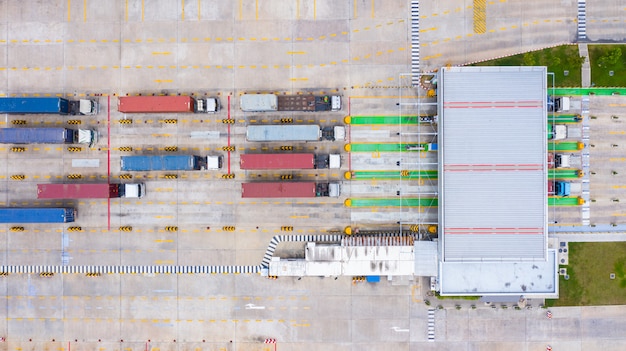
(36, 136)
(37, 215)
(161, 163)
(372, 278)
(24, 105)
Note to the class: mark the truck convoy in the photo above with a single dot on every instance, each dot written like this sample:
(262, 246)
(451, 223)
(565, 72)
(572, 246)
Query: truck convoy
(170, 163)
(90, 191)
(289, 189)
(289, 132)
(289, 161)
(564, 131)
(50, 105)
(167, 104)
(302, 103)
(37, 215)
(47, 136)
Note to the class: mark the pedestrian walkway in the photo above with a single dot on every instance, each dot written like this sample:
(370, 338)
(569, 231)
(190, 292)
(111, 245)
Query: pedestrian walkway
(415, 41)
(583, 51)
(431, 324)
(582, 20)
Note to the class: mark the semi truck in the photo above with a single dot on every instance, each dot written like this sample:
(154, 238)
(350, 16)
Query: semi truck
(564, 131)
(170, 163)
(289, 161)
(167, 104)
(90, 191)
(48, 136)
(568, 161)
(37, 215)
(289, 189)
(563, 188)
(294, 132)
(49, 105)
(301, 103)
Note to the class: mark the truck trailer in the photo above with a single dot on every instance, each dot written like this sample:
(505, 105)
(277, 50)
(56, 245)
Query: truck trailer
(568, 161)
(291, 132)
(47, 136)
(170, 163)
(49, 105)
(565, 131)
(289, 161)
(301, 103)
(289, 189)
(167, 104)
(563, 188)
(37, 215)
(90, 191)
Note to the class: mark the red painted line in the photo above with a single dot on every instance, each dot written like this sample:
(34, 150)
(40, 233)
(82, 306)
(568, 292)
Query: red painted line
(229, 134)
(492, 106)
(109, 158)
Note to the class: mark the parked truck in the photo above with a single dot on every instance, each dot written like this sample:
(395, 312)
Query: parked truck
(289, 189)
(167, 104)
(563, 188)
(291, 132)
(37, 215)
(170, 163)
(48, 136)
(289, 161)
(49, 105)
(568, 161)
(90, 191)
(302, 103)
(564, 131)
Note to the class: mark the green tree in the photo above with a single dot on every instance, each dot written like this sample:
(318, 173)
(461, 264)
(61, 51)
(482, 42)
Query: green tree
(528, 59)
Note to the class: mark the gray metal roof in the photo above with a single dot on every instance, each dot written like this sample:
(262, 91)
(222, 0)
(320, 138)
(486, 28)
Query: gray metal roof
(492, 163)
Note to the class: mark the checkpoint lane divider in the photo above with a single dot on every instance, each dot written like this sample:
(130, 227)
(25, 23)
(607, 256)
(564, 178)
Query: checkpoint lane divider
(75, 176)
(170, 176)
(74, 149)
(74, 229)
(286, 228)
(126, 176)
(286, 120)
(18, 177)
(286, 148)
(170, 121)
(126, 228)
(93, 274)
(125, 148)
(230, 148)
(286, 176)
(228, 121)
(125, 121)
(228, 176)
(171, 229)
(18, 149)
(17, 229)
(18, 121)
(74, 121)
(171, 148)
(228, 228)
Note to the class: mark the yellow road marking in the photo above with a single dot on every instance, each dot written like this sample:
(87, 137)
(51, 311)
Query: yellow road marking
(69, 4)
